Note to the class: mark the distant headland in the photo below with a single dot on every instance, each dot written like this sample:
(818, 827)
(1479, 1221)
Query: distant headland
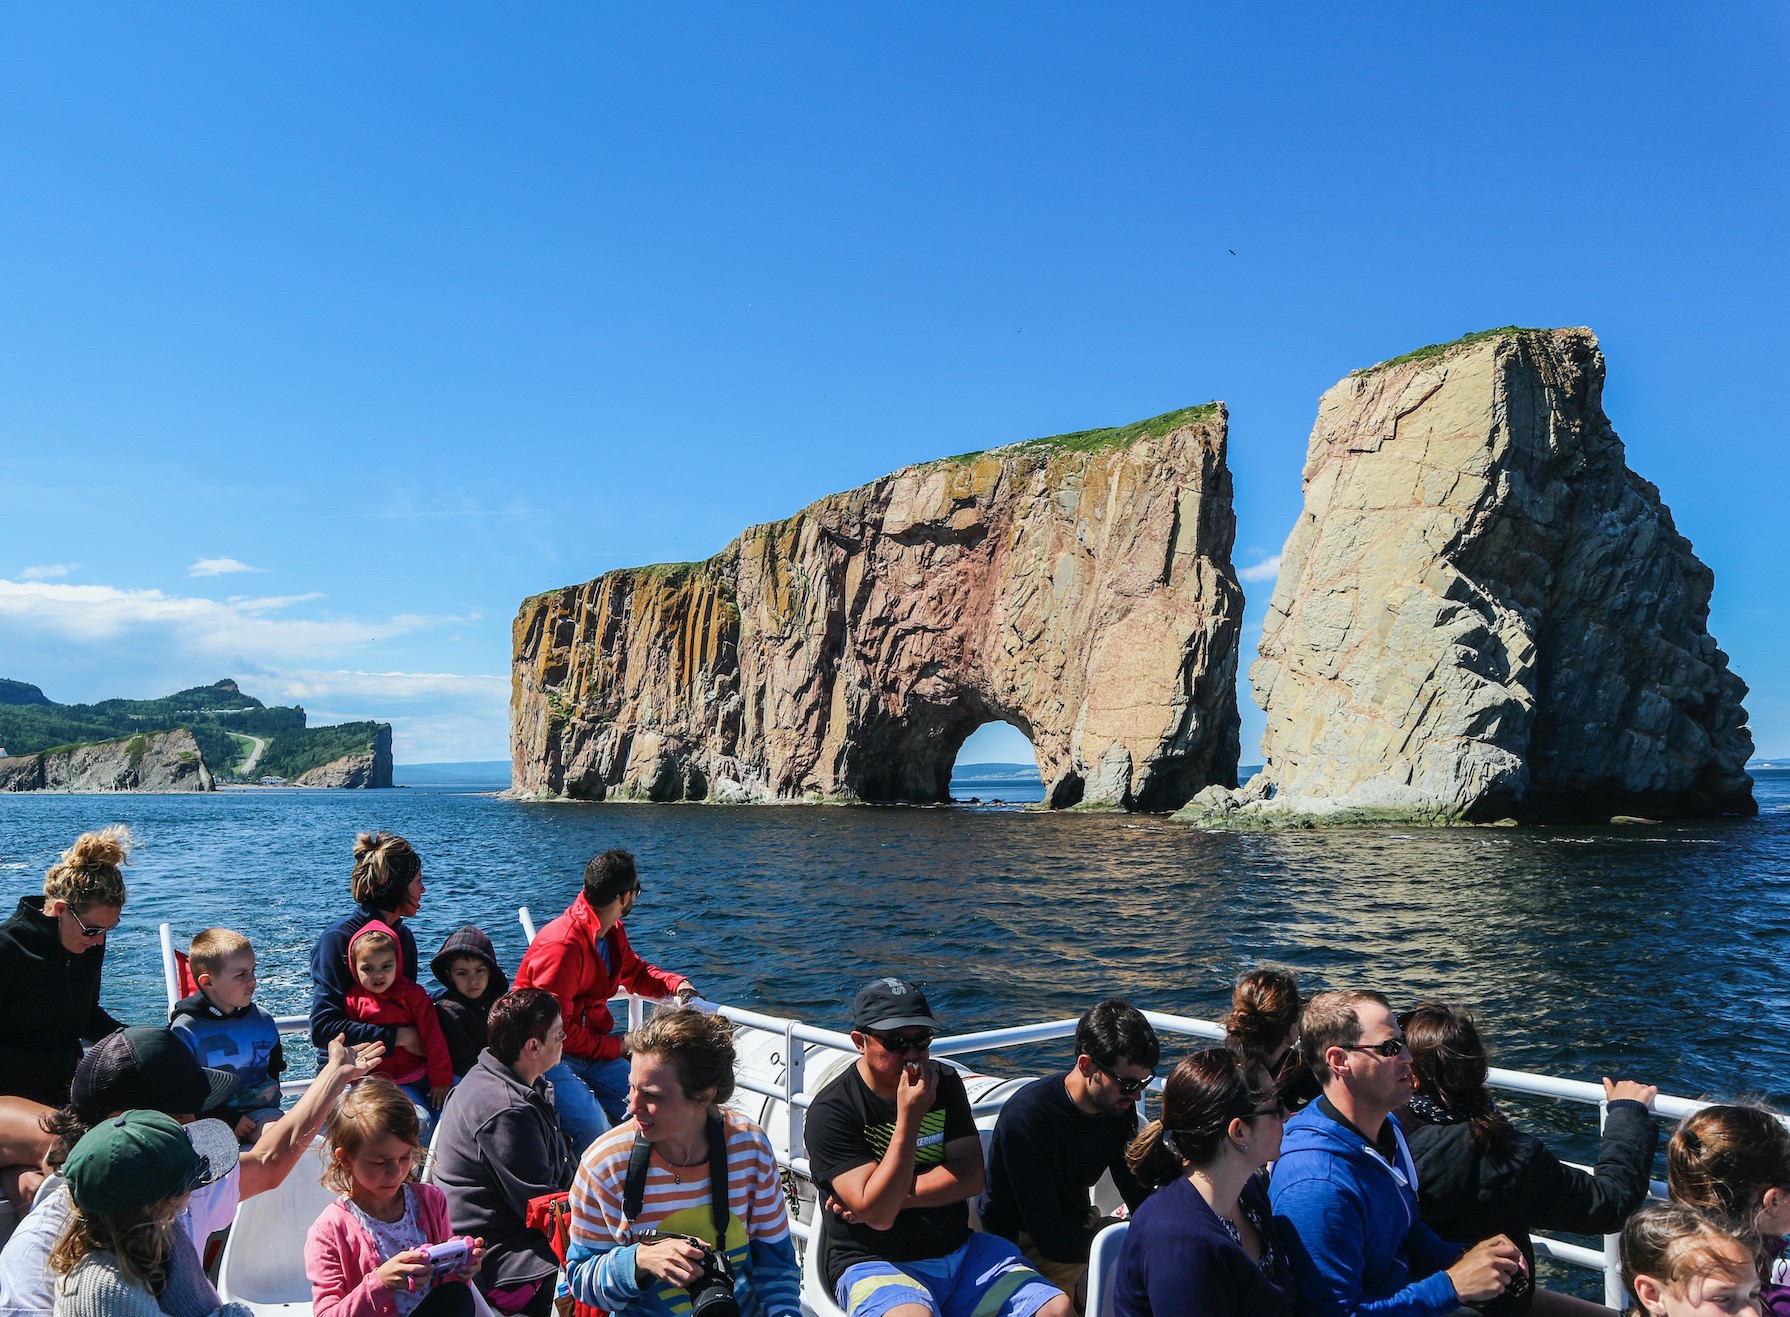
(193, 740)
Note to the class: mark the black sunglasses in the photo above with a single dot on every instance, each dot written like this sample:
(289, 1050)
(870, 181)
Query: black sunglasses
(1279, 1109)
(900, 1044)
(1130, 1086)
(1389, 1048)
(92, 933)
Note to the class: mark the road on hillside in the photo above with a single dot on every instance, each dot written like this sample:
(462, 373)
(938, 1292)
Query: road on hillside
(248, 765)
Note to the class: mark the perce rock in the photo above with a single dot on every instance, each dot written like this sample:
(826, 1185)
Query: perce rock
(155, 761)
(1482, 613)
(1079, 588)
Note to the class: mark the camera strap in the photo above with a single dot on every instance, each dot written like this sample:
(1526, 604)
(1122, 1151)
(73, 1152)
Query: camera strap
(634, 1188)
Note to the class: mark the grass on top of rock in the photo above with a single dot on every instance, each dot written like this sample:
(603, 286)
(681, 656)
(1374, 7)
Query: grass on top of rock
(1438, 349)
(1091, 441)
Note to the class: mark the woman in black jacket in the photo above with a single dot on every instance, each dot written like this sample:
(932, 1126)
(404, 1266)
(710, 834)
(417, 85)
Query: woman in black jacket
(1479, 1176)
(51, 953)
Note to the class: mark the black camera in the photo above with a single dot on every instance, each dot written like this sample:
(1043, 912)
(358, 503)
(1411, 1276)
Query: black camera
(711, 1293)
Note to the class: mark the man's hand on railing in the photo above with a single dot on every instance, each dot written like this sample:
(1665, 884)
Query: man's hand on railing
(685, 993)
(1618, 1090)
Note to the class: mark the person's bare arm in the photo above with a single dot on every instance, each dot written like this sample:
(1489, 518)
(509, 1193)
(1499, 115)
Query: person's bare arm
(874, 1192)
(959, 1178)
(282, 1143)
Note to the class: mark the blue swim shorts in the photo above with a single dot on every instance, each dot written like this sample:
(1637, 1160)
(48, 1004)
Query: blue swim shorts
(985, 1278)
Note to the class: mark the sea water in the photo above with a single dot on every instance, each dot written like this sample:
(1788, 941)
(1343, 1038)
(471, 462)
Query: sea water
(1649, 952)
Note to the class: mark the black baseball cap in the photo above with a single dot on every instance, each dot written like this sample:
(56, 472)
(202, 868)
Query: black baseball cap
(891, 1003)
(149, 1069)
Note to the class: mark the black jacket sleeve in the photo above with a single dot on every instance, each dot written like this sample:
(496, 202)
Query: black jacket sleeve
(1557, 1197)
(1130, 1188)
(461, 1047)
(99, 1024)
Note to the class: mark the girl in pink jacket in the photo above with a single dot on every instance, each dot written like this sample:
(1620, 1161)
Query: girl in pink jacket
(367, 1255)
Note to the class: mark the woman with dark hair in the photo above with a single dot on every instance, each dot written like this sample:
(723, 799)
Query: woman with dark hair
(1263, 1025)
(1203, 1242)
(1479, 1176)
(387, 885)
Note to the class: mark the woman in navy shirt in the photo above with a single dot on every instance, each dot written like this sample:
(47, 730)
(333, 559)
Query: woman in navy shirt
(1203, 1242)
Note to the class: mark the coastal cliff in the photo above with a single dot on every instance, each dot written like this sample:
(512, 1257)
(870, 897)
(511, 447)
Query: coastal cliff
(1483, 613)
(369, 768)
(154, 761)
(1079, 588)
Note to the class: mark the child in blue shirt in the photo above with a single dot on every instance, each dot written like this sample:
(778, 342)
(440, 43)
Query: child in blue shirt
(227, 1031)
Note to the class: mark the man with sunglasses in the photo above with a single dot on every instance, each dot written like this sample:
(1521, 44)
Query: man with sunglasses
(1058, 1135)
(1344, 1190)
(893, 1146)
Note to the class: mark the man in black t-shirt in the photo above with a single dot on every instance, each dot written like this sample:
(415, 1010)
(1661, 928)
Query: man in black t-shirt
(893, 1147)
(1058, 1135)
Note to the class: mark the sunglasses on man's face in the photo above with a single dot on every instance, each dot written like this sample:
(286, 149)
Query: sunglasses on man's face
(1387, 1048)
(900, 1044)
(1131, 1087)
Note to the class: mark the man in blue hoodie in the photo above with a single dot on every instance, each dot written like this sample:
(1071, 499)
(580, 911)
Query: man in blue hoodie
(1345, 1190)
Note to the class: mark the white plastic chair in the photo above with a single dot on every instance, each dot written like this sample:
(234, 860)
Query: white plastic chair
(1103, 1266)
(264, 1257)
(817, 1295)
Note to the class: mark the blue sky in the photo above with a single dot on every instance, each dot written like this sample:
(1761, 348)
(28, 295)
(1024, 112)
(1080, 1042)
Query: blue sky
(333, 331)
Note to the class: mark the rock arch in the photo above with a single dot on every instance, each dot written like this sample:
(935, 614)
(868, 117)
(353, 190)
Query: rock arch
(1078, 587)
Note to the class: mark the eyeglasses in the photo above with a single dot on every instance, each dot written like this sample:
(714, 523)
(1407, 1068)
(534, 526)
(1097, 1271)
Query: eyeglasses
(1278, 1110)
(95, 934)
(1388, 1048)
(1131, 1086)
(900, 1044)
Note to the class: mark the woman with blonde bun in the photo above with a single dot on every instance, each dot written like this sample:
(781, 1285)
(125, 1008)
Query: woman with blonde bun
(51, 954)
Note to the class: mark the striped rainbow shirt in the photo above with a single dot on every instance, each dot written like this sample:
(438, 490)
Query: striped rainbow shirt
(600, 1261)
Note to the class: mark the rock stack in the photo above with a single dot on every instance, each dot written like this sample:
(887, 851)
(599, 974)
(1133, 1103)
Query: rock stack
(1079, 588)
(1482, 613)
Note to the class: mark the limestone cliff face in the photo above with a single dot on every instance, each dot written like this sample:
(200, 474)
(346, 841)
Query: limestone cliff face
(373, 769)
(1079, 588)
(1482, 612)
(157, 761)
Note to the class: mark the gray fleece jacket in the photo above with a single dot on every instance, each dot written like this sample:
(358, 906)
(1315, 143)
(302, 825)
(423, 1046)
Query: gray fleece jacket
(498, 1144)
(97, 1288)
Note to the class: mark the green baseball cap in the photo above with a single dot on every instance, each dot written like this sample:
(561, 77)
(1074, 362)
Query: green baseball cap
(138, 1158)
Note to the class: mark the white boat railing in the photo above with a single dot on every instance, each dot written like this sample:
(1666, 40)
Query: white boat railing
(797, 1036)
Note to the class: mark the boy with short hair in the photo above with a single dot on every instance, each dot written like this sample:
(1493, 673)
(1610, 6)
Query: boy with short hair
(225, 1030)
(383, 995)
(471, 980)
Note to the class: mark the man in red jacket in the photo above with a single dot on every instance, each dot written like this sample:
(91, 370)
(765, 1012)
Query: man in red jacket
(583, 958)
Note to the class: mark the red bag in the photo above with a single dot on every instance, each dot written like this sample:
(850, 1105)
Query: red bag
(551, 1214)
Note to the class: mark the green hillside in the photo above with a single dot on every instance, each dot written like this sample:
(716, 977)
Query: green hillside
(30, 722)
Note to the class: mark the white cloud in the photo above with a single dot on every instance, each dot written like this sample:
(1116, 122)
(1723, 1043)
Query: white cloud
(220, 567)
(436, 717)
(1265, 570)
(48, 572)
(209, 629)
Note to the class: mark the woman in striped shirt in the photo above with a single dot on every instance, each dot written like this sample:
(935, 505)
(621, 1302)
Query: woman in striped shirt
(680, 1073)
